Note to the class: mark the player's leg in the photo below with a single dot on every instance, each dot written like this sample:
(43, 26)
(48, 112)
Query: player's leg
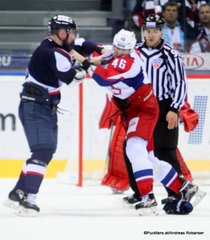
(40, 126)
(136, 151)
(135, 197)
(142, 118)
(166, 174)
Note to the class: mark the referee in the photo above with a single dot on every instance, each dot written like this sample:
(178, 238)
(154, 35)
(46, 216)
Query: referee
(164, 68)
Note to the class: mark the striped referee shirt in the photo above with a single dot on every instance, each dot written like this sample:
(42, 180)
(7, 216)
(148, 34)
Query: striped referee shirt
(164, 67)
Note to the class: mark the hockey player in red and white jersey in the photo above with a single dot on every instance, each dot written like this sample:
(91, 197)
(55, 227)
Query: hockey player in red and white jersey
(133, 96)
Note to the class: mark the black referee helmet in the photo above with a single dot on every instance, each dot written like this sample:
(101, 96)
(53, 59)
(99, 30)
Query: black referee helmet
(153, 21)
(61, 21)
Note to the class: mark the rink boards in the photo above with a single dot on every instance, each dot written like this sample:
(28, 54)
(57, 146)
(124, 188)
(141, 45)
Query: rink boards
(14, 150)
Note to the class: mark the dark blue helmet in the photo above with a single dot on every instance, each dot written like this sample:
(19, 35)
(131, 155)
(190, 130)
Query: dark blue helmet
(61, 21)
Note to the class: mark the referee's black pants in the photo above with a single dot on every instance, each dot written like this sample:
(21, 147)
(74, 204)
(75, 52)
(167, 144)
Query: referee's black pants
(166, 140)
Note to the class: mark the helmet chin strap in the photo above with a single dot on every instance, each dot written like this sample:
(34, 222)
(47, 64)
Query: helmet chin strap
(65, 44)
(67, 35)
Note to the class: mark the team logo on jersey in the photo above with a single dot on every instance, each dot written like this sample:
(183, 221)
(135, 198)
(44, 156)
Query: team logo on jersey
(132, 126)
(157, 62)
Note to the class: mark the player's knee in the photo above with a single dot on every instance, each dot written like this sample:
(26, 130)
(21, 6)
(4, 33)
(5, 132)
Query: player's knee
(42, 156)
(136, 148)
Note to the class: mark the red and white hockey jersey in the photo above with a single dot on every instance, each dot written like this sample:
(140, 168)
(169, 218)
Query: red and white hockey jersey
(123, 76)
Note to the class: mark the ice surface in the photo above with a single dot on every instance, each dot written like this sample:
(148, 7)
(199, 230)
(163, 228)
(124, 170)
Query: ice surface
(94, 213)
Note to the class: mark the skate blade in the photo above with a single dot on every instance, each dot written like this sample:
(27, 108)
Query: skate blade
(116, 192)
(11, 204)
(196, 199)
(148, 211)
(23, 212)
(128, 205)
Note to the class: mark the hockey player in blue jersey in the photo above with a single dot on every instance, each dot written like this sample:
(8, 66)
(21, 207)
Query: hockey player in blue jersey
(50, 66)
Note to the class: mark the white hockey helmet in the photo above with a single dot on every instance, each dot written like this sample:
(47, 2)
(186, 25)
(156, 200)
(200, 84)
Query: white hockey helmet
(124, 39)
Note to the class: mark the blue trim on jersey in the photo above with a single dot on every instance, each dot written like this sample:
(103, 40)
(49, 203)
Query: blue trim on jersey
(134, 82)
(102, 82)
(168, 177)
(143, 173)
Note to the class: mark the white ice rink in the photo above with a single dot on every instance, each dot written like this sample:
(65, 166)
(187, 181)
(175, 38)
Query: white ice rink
(94, 213)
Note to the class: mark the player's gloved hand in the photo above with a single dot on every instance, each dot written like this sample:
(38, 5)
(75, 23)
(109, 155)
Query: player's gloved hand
(178, 207)
(91, 70)
(89, 67)
(80, 73)
(86, 64)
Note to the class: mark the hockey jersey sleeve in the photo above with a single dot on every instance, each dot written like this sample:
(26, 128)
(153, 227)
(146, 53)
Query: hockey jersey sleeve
(64, 69)
(86, 47)
(180, 90)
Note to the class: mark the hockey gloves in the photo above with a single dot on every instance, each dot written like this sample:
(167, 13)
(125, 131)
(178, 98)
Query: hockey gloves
(177, 207)
(80, 74)
(88, 67)
(81, 71)
(91, 70)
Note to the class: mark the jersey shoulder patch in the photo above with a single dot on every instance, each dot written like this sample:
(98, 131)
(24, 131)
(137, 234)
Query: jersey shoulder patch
(62, 60)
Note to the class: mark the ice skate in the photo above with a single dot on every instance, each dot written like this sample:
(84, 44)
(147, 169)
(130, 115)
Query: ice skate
(131, 200)
(147, 206)
(168, 199)
(190, 192)
(14, 199)
(28, 208)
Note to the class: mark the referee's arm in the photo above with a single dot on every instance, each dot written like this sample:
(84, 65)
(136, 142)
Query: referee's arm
(180, 85)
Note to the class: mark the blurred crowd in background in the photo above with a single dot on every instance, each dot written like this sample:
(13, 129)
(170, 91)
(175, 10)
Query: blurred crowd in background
(187, 22)
(23, 24)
